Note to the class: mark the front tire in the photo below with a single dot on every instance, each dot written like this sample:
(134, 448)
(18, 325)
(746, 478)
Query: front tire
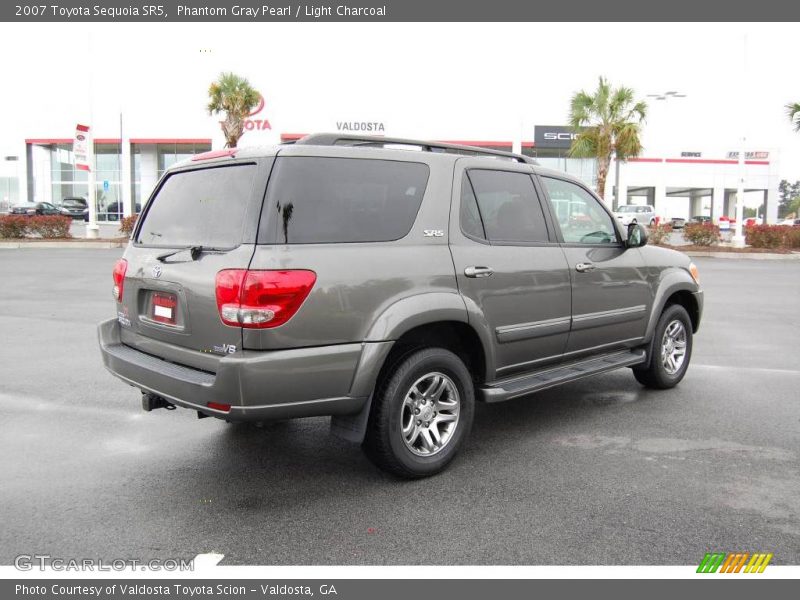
(421, 413)
(672, 350)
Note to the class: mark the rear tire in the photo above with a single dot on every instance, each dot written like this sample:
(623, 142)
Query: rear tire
(672, 350)
(421, 413)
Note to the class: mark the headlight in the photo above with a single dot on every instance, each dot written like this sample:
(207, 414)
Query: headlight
(694, 273)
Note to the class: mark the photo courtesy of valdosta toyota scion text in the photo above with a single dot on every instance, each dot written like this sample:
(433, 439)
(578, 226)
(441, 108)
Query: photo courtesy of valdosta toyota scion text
(398, 300)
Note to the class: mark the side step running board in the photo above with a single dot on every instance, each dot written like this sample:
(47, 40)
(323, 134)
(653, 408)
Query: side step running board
(517, 386)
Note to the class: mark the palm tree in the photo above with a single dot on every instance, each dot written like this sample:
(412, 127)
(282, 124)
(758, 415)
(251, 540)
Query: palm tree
(608, 123)
(237, 98)
(793, 112)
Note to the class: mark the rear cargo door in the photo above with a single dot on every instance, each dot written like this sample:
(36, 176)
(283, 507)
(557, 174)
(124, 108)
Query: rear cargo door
(200, 221)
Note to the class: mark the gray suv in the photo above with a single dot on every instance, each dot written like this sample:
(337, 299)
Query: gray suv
(390, 284)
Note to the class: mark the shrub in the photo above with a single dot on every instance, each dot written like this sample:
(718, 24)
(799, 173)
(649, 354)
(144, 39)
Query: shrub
(792, 239)
(50, 226)
(659, 233)
(127, 224)
(766, 236)
(701, 234)
(13, 226)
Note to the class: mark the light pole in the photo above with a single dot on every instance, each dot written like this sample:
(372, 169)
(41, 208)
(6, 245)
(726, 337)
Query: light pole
(665, 97)
(738, 238)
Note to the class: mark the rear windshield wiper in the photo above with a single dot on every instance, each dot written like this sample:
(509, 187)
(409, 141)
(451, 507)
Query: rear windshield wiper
(195, 252)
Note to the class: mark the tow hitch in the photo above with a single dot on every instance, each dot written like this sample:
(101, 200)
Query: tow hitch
(152, 402)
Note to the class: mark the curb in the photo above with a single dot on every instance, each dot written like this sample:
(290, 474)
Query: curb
(50, 245)
(746, 255)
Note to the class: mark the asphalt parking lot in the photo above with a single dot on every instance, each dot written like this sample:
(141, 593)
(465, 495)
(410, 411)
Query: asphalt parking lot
(596, 472)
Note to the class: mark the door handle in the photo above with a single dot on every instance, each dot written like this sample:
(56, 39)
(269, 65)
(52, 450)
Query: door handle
(478, 271)
(583, 267)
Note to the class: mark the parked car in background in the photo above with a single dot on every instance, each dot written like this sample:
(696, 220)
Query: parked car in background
(114, 211)
(634, 213)
(701, 219)
(77, 208)
(790, 222)
(34, 208)
(677, 222)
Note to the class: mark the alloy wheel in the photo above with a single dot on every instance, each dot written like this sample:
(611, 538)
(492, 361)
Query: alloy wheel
(673, 347)
(429, 414)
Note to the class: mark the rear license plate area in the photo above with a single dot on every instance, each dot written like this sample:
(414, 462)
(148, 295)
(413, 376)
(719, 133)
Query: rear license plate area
(163, 308)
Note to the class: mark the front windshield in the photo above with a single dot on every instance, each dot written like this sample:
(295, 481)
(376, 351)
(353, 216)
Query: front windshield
(627, 209)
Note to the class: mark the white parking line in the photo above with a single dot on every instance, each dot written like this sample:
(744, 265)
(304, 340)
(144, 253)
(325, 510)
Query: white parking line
(759, 369)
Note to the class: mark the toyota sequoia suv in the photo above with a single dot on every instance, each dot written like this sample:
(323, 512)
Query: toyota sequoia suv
(389, 284)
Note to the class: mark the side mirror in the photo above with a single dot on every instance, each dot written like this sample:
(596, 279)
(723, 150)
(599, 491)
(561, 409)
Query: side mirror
(637, 236)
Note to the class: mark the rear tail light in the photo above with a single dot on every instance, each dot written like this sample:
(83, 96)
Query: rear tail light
(119, 278)
(219, 406)
(261, 299)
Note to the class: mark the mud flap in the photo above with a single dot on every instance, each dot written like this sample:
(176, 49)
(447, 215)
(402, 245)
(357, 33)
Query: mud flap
(352, 428)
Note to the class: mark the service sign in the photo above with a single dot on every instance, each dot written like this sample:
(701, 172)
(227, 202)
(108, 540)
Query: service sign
(749, 155)
(80, 147)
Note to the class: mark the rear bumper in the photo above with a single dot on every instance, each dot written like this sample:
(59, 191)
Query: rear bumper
(258, 385)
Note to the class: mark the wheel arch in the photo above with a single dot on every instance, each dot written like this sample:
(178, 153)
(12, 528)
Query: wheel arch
(446, 313)
(677, 287)
(456, 335)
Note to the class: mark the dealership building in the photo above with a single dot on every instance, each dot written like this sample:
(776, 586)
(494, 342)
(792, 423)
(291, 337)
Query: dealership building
(683, 183)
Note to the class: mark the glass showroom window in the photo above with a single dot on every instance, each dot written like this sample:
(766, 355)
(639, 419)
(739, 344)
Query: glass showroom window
(584, 169)
(149, 161)
(65, 180)
(108, 182)
(136, 174)
(169, 154)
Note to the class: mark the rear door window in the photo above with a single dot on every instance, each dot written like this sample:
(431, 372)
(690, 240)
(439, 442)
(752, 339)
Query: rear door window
(313, 200)
(509, 207)
(200, 207)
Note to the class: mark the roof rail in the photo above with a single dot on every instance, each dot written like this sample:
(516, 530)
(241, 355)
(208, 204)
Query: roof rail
(337, 139)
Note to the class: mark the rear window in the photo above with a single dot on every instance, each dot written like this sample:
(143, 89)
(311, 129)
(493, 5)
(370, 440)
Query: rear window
(201, 207)
(326, 200)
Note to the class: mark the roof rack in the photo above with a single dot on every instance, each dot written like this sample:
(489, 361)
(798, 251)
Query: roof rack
(337, 139)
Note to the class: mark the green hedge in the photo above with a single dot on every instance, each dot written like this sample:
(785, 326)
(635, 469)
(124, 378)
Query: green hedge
(50, 226)
(701, 234)
(772, 236)
(658, 234)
